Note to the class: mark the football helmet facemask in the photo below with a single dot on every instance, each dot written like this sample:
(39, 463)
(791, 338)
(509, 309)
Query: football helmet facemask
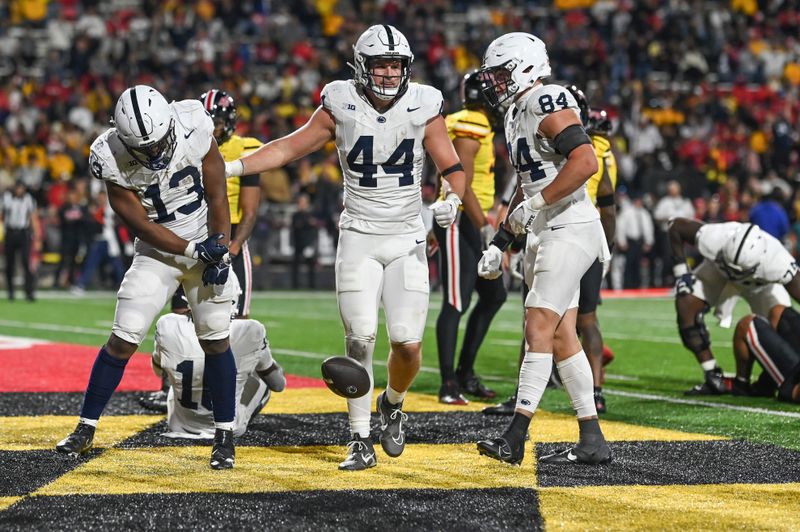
(740, 256)
(514, 62)
(145, 125)
(222, 108)
(377, 45)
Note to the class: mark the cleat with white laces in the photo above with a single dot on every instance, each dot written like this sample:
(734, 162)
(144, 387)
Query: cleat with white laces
(79, 442)
(393, 439)
(360, 455)
(223, 453)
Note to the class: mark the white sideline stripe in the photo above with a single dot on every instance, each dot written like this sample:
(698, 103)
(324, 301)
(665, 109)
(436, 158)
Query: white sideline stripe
(693, 402)
(55, 327)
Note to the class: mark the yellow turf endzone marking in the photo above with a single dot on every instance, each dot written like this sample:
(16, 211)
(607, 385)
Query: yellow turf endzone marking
(26, 433)
(5, 502)
(323, 401)
(547, 427)
(717, 506)
(268, 469)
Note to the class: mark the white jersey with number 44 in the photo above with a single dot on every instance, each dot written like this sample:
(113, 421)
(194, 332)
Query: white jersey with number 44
(382, 156)
(173, 197)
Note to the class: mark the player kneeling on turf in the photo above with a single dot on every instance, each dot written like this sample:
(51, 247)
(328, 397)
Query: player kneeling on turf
(178, 357)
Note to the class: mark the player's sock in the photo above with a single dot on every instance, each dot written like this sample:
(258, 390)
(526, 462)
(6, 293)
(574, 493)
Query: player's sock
(220, 377)
(533, 377)
(106, 373)
(708, 365)
(576, 376)
(446, 338)
(393, 396)
(360, 409)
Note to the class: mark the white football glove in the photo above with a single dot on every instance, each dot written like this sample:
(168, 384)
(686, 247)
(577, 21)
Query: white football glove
(521, 218)
(234, 168)
(487, 234)
(445, 211)
(490, 265)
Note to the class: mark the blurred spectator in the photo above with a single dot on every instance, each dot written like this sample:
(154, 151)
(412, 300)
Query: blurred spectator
(670, 206)
(22, 237)
(770, 215)
(304, 238)
(104, 249)
(634, 237)
(74, 221)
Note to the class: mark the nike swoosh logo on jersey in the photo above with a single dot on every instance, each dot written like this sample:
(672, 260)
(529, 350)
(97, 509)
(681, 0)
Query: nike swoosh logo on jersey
(411, 110)
(557, 228)
(419, 241)
(189, 134)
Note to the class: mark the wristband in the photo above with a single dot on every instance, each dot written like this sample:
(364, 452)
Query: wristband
(605, 201)
(680, 269)
(190, 249)
(502, 238)
(537, 202)
(453, 197)
(234, 168)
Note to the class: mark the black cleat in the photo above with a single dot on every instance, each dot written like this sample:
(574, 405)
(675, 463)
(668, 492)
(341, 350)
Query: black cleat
(715, 384)
(505, 448)
(575, 455)
(393, 438)
(222, 453)
(599, 402)
(155, 401)
(360, 455)
(473, 386)
(450, 394)
(79, 442)
(506, 408)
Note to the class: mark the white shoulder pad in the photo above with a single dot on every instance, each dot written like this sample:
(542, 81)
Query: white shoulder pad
(337, 95)
(195, 121)
(779, 266)
(549, 99)
(102, 160)
(250, 333)
(423, 102)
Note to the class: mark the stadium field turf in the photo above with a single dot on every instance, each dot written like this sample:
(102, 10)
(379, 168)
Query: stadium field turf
(679, 462)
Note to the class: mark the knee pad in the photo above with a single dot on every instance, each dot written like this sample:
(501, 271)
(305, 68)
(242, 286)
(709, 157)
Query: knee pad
(214, 326)
(696, 337)
(789, 327)
(362, 329)
(131, 326)
(402, 334)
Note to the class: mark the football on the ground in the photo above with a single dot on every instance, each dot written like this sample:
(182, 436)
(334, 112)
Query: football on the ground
(345, 376)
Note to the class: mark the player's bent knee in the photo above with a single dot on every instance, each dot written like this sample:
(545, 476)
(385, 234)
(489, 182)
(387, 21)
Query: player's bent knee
(120, 348)
(363, 329)
(215, 347)
(403, 335)
(695, 337)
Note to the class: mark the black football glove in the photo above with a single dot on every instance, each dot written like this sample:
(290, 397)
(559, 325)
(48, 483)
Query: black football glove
(216, 273)
(210, 250)
(684, 284)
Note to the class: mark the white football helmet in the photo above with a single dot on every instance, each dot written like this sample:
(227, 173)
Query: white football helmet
(382, 41)
(743, 252)
(515, 62)
(145, 125)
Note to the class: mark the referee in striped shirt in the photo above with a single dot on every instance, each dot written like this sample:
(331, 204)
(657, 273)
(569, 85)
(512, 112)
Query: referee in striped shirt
(21, 223)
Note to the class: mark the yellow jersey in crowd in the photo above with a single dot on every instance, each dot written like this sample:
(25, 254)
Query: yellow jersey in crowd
(605, 163)
(232, 149)
(475, 125)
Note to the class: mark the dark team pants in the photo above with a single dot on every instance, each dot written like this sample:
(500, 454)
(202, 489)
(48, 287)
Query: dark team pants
(459, 252)
(243, 268)
(590, 288)
(18, 244)
(780, 360)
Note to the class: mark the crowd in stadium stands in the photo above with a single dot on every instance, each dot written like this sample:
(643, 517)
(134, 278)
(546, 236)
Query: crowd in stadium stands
(706, 93)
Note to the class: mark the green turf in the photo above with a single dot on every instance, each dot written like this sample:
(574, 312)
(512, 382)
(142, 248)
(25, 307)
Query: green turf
(304, 328)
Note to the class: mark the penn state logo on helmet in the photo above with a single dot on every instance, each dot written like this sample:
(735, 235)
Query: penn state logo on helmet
(145, 125)
(742, 254)
(514, 62)
(380, 46)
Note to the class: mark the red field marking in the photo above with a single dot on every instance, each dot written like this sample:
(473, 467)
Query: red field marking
(636, 293)
(29, 366)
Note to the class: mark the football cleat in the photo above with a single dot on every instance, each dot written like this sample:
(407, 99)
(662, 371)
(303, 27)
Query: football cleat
(473, 386)
(715, 384)
(599, 402)
(505, 448)
(506, 408)
(450, 394)
(79, 442)
(155, 401)
(599, 455)
(360, 455)
(393, 439)
(274, 376)
(223, 453)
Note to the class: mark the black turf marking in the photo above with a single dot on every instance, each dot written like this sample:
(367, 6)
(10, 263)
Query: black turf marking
(688, 462)
(413, 510)
(26, 471)
(67, 404)
(332, 429)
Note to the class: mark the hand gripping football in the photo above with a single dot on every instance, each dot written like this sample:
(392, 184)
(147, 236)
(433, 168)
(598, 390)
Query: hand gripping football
(345, 377)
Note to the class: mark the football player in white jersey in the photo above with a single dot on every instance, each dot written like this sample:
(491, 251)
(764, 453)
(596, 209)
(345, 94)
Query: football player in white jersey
(382, 125)
(739, 260)
(553, 158)
(166, 179)
(178, 357)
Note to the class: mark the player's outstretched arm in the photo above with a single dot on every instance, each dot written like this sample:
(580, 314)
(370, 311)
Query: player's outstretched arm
(682, 230)
(440, 148)
(127, 206)
(219, 213)
(321, 128)
(569, 138)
